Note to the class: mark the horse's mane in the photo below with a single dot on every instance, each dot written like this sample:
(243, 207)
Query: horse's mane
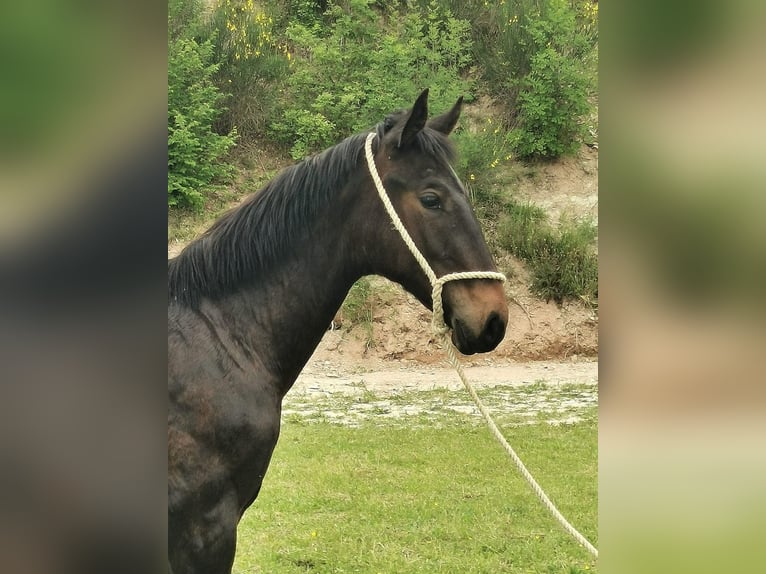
(256, 235)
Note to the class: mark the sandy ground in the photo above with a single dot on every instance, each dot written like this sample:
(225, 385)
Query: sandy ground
(518, 393)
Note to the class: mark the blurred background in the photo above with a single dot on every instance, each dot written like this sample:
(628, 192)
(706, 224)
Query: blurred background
(682, 275)
(83, 167)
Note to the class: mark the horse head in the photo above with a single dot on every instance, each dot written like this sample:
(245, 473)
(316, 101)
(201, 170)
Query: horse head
(413, 159)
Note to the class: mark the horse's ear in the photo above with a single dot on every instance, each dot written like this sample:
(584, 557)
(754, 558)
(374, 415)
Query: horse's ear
(446, 122)
(416, 121)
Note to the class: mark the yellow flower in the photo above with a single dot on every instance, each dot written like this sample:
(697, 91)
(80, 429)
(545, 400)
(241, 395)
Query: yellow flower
(313, 534)
(472, 177)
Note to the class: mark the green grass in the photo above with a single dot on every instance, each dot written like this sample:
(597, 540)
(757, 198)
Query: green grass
(392, 498)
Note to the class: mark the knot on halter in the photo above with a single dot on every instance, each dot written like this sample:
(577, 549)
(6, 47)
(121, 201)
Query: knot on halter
(437, 321)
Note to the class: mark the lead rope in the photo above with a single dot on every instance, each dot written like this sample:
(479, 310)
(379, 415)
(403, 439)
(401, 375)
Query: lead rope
(442, 330)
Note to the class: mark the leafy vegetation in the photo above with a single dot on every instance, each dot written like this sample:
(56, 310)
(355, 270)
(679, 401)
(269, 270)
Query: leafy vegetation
(532, 56)
(254, 61)
(361, 64)
(481, 152)
(195, 151)
(563, 260)
(552, 99)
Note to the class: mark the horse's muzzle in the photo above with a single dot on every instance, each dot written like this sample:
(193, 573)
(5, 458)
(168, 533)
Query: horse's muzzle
(487, 339)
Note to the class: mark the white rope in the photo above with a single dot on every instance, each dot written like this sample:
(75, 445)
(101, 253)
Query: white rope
(441, 329)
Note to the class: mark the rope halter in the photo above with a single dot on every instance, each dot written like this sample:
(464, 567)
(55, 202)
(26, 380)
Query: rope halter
(437, 283)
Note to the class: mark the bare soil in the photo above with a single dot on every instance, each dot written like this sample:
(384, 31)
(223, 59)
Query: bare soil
(568, 187)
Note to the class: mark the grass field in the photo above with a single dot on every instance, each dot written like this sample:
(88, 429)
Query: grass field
(423, 494)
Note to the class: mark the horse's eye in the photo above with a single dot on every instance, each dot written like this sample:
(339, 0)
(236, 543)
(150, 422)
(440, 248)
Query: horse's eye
(430, 201)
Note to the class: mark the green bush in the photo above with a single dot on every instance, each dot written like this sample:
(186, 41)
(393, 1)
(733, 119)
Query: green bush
(183, 18)
(520, 228)
(500, 42)
(253, 62)
(533, 57)
(563, 261)
(586, 14)
(565, 265)
(481, 151)
(195, 151)
(553, 96)
(359, 66)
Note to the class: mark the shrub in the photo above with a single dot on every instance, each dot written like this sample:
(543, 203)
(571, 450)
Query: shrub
(480, 152)
(532, 56)
(553, 96)
(520, 227)
(195, 151)
(501, 46)
(184, 18)
(565, 266)
(563, 262)
(353, 70)
(253, 62)
(586, 14)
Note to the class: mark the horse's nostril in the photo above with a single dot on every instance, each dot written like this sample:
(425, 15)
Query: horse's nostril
(494, 329)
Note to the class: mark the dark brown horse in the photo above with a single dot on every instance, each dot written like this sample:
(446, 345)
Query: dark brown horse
(250, 300)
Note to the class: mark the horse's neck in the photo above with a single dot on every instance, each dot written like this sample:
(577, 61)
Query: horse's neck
(283, 315)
